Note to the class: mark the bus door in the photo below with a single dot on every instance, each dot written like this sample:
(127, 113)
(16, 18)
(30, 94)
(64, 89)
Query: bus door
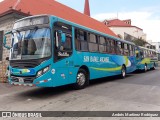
(139, 55)
(62, 55)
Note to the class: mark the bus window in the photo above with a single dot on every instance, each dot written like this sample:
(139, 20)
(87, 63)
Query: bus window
(122, 48)
(145, 53)
(107, 45)
(68, 43)
(81, 40)
(62, 49)
(137, 55)
(142, 54)
(112, 46)
(131, 51)
(93, 45)
(148, 53)
(102, 44)
(119, 48)
(126, 51)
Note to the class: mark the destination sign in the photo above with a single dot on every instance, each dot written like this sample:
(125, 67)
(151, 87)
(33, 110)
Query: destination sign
(31, 21)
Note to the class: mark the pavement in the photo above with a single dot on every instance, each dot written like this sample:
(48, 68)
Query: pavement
(137, 92)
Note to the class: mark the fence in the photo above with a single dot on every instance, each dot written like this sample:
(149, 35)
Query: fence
(3, 68)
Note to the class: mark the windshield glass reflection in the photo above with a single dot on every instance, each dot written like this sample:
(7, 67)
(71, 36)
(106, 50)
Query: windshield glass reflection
(31, 44)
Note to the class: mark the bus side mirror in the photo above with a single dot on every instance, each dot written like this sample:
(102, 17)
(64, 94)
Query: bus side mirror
(63, 37)
(5, 39)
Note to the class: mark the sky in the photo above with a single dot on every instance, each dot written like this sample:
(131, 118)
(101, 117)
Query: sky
(143, 13)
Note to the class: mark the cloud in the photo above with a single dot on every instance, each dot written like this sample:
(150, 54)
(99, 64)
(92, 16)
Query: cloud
(148, 21)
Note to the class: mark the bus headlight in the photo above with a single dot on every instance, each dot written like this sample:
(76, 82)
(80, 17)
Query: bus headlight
(41, 72)
(45, 69)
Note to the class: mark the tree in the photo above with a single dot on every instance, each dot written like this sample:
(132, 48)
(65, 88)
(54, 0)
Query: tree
(139, 42)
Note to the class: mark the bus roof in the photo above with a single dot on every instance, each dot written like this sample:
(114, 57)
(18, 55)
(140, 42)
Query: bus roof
(146, 48)
(95, 31)
(79, 26)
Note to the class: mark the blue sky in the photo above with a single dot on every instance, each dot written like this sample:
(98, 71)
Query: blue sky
(144, 13)
(99, 6)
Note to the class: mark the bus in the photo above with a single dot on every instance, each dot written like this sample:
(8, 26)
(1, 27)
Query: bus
(146, 58)
(48, 51)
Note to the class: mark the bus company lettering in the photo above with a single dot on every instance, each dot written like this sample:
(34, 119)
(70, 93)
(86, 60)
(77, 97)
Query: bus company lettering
(96, 59)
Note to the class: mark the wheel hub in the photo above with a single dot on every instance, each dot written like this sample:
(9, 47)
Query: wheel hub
(145, 68)
(123, 72)
(81, 79)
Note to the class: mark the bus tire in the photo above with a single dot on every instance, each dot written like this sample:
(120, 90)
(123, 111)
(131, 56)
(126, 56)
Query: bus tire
(123, 72)
(145, 67)
(81, 80)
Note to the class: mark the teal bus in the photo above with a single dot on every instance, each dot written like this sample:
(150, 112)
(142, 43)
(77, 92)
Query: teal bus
(48, 51)
(146, 58)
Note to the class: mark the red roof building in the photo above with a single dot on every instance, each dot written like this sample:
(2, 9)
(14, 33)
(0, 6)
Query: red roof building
(52, 7)
(116, 22)
(119, 23)
(125, 30)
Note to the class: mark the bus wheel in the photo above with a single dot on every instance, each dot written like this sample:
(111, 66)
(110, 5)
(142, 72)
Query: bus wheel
(123, 72)
(145, 68)
(82, 79)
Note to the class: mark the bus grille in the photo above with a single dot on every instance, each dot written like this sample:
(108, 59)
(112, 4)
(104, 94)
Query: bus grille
(23, 64)
(25, 79)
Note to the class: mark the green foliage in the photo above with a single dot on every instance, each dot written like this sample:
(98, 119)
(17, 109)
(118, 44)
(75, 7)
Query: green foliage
(139, 42)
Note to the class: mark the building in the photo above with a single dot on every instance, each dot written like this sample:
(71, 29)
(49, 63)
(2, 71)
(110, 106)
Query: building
(12, 10)
(125, 30)
(86, 8)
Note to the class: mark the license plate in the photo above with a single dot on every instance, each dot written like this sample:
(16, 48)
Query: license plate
(21, 80)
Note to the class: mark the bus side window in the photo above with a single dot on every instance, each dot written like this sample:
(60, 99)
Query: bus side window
(68, 43)
(107, 45)
(62, 49)
(130, 49)
(112, 46)
(81, 40)
(102, 45)
(142, 54)
(126, 51)
(122, 46)
(147, 53)
(93, 42)
(137, 55)
(133, 50)
(119, 48)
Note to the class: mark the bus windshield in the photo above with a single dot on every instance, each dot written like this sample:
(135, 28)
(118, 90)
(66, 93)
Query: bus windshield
(31, 44)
